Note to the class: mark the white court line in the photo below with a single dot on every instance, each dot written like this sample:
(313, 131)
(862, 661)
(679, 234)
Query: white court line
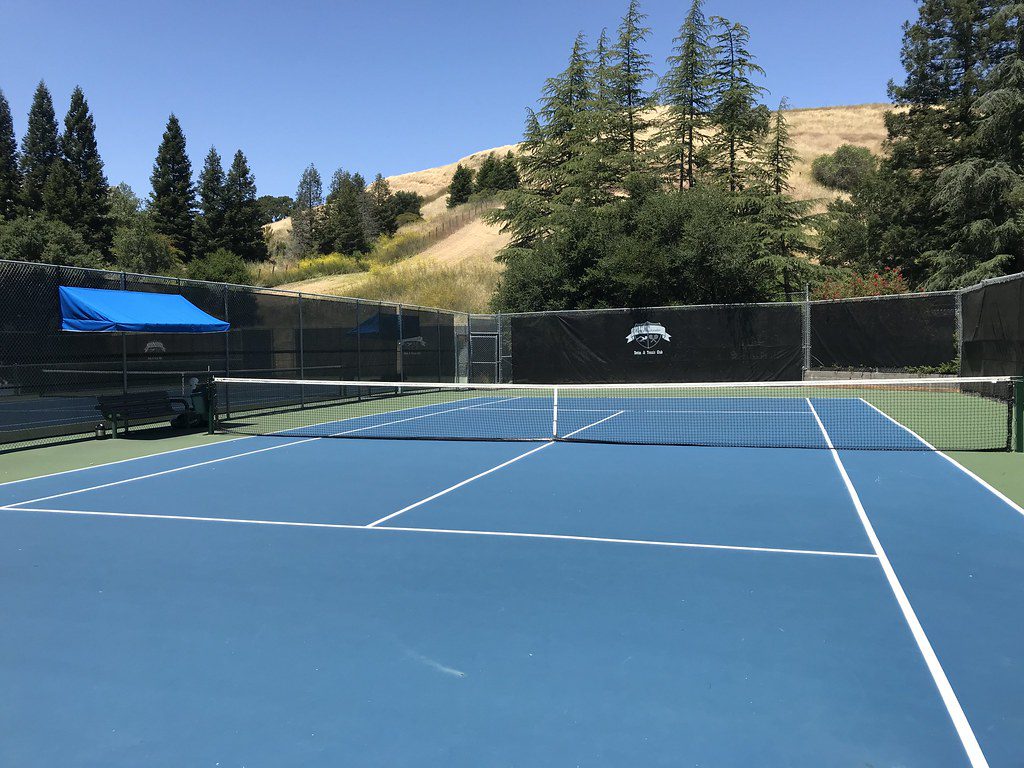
(413, 418)
(956, 712)
(189, 448)
(451, 531)
(162, 472)
(468, 480)
(981, 481)
(562, 408)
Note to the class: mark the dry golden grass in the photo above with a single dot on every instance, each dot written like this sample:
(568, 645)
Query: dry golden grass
(443, 274)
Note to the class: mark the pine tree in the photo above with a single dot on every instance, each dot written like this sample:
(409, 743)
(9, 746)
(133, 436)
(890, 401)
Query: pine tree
(461, 186)
(687, 92)
(172, 202)
(10, 175)
(783, 224)
(382, 207)
(981, 198)
(349, 222)
(307, 217)
(509, 173)
(628, 72)
(739, 123)
(210, 233)
(243, 231)
(40, 148)
(88, 209)
(488, 175)
(559, 163)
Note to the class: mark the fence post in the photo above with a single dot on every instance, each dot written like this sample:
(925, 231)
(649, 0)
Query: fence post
(227, 349)
(805, 313)
(302, 359)
(359, 343)
(124, 356)
(1018, 409)
(401, 347)
(960, 330)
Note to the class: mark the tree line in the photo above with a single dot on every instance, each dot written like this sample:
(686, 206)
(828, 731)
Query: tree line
(352, 215)
(491, 177)
(56, 205)
(944, 205)
(622, 204)
(639, 189)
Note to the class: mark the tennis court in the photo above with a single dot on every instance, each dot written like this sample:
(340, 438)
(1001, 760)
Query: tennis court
(625, 594)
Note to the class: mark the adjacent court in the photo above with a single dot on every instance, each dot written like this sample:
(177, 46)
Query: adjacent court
(289, 600)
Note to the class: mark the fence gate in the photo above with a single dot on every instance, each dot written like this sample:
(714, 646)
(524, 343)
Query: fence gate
(484, 349)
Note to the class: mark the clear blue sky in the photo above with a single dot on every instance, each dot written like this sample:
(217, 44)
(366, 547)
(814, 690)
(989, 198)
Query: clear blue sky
(389, 86)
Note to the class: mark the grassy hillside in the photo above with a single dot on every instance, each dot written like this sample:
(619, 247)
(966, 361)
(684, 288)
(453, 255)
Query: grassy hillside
(459, 272)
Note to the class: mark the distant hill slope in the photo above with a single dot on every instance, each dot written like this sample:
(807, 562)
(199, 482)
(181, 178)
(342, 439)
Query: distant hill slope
(460, 271)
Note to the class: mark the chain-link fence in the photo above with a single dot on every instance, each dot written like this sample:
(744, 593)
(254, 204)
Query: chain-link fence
(907, 333)
(49, 379)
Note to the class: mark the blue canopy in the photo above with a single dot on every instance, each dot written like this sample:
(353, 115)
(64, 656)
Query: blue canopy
(94, 309)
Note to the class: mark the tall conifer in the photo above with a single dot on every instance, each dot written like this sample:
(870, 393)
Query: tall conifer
(629, 71)
(10, 175)
(88, 211)
(210, 234)
(172, 201)
(243, 231)
(687, 92)
(40, 148)
(307, 216)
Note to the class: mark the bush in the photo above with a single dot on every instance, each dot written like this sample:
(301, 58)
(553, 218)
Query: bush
(846, 169)
(138, 247)
(221, 266)
(853, 285)
(408, 202)
(407, 218)
(47, 241)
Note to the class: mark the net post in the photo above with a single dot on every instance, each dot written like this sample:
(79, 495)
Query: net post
(805, 331)
(211, 406)
(1018, 415)
(554, 413)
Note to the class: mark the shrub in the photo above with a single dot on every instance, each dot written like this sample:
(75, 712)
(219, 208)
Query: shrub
(47, 241)
(221, 266)
(846, 169)
(407, 218)
(852, 285)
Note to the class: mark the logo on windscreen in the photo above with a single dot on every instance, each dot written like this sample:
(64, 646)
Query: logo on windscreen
(648, 335)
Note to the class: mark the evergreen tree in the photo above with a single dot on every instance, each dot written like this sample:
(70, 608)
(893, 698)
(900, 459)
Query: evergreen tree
(488, 175)
(783, 224)
(739, 123)
(558, 163)
(138, 247)
(87, 208)
(125, 205)
(629, 71)
(928, 212)
(509, 172)
(243, 230)
(981, 197)
(10, 175)
(307, 217)
(40, 148)
(348, 224)
(687, 92)
(408, 202)
(172, 202)
(210, 233)
(383, 210)
(461, 186)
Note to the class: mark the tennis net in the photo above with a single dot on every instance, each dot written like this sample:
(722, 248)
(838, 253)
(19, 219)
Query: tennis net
(896, 414)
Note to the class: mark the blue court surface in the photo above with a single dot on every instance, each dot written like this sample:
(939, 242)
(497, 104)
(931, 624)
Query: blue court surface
(293, 601)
